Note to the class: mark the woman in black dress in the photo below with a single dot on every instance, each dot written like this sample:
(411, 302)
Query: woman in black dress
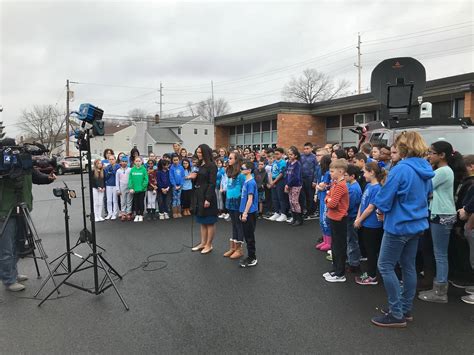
(205, 206)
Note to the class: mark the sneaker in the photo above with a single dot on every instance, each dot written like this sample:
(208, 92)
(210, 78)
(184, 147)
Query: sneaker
(326, 274)
(21, 278)
(408, 316)
(329, 257)
(470, 290)
(281, 218)
(334, 278)
(166, 215)
(289, 220)
(109, 216)
(140, 218)
(459, 284)
(248, 262)
(469, 299)
(99, 219)
(227, 217)
(365, 279)
(113, 218)
(389, 321)
(363, 259)
(162, 216)
(274, 217)
(16, 287)
(137, 218)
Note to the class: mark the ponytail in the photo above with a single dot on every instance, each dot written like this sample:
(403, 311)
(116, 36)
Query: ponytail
(453, 158)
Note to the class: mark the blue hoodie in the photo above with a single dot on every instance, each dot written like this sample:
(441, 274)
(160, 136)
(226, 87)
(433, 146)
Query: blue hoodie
(404, 197)
(176, 175)
(110, 174)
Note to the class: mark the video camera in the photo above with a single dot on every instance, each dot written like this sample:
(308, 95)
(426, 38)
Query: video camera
(17, 159)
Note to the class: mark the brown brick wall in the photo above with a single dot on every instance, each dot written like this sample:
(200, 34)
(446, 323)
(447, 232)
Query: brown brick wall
(293, 130)
(469, 105)
(222, 136)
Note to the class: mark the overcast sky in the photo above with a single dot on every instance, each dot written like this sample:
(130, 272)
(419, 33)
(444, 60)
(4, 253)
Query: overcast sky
(249, 49)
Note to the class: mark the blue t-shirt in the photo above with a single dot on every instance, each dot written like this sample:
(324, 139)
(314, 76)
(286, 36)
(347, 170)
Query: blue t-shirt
(234, 191)
(355, 195)
(278, 167)
(249, 188)
(368, 198)
(326, 178)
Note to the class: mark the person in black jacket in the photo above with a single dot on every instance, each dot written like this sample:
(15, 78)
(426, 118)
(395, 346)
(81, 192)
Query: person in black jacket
(205, 204)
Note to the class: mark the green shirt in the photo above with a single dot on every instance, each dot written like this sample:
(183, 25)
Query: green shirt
(8, 196)
(443, 192)
(138, 179)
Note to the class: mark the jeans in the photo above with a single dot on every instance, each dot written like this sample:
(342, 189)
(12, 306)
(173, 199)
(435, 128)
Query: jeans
(176, 198)
(307, 194)
(279, 198)
(353, 251)
(248, 228)
(399, 249)
(8, 252)
(440, 235)
(339, 245)
(164, 201)
(237, 229)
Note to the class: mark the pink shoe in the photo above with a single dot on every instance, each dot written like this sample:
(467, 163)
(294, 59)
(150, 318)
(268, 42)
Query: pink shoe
(327, 246)
(318, 246)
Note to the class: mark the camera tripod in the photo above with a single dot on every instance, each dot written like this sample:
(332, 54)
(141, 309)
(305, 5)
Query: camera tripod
(95, 260)
(28, 230)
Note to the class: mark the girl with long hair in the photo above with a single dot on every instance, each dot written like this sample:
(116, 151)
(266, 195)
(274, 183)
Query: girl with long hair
(98, 188)
(324, 182)
(450, 171)
(293, 184)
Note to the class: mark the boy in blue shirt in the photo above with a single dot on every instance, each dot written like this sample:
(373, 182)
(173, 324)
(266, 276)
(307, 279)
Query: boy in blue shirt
(248, 209)
(355, 195)
(279, 198)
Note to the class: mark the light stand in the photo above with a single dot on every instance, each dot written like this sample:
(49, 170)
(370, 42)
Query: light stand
(95, 260)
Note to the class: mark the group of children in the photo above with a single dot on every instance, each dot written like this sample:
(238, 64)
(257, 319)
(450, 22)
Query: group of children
(130, 186)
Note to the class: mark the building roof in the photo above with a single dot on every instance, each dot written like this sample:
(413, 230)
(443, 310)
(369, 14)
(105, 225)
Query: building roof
(175, 121)
(112, 128)
(440, 88)
(163, 135)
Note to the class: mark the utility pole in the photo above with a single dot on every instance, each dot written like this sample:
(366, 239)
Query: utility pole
(213, 105)
(67, 117)
(161, 100)
(358, 65)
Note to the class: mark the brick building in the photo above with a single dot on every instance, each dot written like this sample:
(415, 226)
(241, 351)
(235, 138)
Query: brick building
(286, 123)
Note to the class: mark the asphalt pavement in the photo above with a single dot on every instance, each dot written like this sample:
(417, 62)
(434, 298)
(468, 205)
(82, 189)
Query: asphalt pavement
(206, 304)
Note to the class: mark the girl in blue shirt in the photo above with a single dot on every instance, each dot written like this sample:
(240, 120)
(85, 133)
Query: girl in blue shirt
(187, 189)
(235, 181)
(220, 174)
(324, 182)
(371, 227)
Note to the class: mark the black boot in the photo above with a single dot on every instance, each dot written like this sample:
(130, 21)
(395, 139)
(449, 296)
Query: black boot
(153, 214)
(299, 219)
(148, 214)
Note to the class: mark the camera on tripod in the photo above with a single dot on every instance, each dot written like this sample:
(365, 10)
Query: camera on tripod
(16, 159)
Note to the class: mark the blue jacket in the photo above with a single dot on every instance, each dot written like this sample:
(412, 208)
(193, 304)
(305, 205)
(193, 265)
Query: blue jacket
(110, 174)
(293, 174)
(176, 175)
(163, 179)
(404, 197)
(308, 165)
(355, 196)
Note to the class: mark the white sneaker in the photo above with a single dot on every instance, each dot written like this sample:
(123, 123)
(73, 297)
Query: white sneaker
(222, 215)
(162, 216)
(109, 216)
(227, 217)
(113, 218)
(282, 218)
(137, 218)
(16, 287)
(99, 219)
(289, 220)
(140, 218)
(274, 217)
(20, 278)
(333, 278)
(326, 274)
(167, 216)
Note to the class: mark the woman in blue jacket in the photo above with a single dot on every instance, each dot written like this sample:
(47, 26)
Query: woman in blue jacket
(403, 204)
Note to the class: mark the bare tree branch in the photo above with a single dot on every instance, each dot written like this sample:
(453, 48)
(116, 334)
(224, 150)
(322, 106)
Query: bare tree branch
(313, 86)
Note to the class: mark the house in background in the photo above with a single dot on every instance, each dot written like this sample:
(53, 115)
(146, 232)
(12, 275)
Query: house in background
(118, 137)
(158, 135)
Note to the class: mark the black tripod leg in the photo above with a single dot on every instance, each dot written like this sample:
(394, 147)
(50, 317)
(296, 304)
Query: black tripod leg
(38, 275)
(115, 272)
(63, 281)
(101, 261)
(51, 276)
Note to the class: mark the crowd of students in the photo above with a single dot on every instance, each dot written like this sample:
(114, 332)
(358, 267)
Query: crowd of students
(400, 210)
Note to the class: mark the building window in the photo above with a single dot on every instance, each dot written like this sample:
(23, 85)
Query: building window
(179, 130)
(255, 134)
(195, 131)
(459, 108)
(149, 148)
(205, 132)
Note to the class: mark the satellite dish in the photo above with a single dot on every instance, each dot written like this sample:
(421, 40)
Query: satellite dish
(397, 82)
